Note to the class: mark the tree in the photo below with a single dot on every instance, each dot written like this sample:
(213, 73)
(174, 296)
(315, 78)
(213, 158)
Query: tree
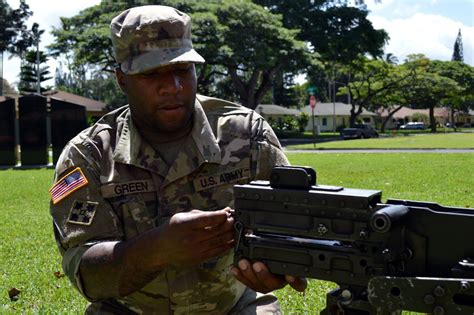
(92, 83)
(391, 59)
(463, 75)
(31, 70)
(336, 30)
(7, 88)
(32, 74)
(429, 89)
(252, 46)
(14, 36)
(371, 84)
(458, 54)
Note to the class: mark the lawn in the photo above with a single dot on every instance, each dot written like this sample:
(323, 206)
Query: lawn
(406, 141)
(29, 260)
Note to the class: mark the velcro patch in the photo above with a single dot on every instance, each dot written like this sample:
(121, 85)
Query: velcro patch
(82, 212)
(68, 184)
(209, 181)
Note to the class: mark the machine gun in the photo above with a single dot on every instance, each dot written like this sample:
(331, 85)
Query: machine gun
(385, 257)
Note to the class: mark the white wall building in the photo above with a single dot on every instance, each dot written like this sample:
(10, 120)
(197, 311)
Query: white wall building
(325, 114)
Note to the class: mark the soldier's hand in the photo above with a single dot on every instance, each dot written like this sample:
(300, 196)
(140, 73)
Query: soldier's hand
(190, 238)
(257, 277)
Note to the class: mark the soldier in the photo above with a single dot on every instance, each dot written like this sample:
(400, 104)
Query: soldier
(141, 201)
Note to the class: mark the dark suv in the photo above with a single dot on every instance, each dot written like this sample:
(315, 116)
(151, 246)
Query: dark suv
(359, 131)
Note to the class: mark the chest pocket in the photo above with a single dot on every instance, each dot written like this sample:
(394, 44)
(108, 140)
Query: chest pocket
(135, 203)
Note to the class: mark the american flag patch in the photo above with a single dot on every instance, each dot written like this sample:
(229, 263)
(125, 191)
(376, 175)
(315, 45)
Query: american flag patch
(67, 185)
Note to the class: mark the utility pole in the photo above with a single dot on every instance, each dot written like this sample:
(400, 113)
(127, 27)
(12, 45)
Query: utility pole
(1, 73)
(333, 101)
(38, 79)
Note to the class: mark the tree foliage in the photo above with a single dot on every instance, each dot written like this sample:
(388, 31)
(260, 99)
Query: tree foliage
(337, 31)
(458, 52)
(33, 69)
(373, 82)
(250, 45)
(14, 35)
(29, 72)
(92, 83)
(429, 88)
(7, 88)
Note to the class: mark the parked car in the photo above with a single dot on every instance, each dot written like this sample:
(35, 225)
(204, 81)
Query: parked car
(413, 126)
(359, 131)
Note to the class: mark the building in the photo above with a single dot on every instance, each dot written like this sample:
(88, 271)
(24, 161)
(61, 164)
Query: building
(94, 109)
(325, 114)
(277, 115)
(442, 115)
(276, 112)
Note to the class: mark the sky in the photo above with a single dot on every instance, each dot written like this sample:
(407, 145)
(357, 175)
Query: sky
(428, 27)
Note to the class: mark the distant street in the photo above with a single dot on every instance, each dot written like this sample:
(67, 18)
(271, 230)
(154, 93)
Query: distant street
(342, 151)
(287, 142)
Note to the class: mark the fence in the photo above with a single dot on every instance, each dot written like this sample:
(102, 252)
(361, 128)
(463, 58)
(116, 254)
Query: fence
(38, 127)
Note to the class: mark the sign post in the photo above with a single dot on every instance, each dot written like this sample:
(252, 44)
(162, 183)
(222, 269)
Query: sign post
(312, 103)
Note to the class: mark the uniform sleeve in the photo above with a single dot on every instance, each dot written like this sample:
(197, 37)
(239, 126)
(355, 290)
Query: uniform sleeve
(267, 149)
(81, 216)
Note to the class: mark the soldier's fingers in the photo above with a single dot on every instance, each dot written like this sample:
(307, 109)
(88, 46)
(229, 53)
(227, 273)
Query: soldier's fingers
(238, 274)
(248, 276)
(217, 240)
(299, 284)
(268, 279)
(206, 219)
(215, 251)
(223, 230)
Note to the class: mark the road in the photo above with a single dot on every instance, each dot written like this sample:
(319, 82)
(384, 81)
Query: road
(342, 151)
(287, 142)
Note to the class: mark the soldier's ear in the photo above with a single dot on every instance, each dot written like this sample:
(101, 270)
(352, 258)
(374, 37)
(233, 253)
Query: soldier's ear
(121, 80)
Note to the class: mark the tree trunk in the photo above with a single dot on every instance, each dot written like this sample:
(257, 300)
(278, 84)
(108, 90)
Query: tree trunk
(432, 119)
(453, 122)
(354, 114)
(390, 115)
(252, 92)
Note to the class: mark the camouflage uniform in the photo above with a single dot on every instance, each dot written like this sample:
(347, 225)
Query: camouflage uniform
(130, 190)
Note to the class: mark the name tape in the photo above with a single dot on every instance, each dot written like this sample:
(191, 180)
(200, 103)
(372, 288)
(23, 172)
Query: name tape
(127, 188)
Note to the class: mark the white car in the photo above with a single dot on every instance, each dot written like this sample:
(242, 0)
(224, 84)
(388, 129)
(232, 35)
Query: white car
(413, 126)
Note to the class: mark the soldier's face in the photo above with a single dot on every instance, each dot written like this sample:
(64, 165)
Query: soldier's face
(161, 99)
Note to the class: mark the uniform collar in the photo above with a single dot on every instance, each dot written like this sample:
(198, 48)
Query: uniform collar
(201, 147)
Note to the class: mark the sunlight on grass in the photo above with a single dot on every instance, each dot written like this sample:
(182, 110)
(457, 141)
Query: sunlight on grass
(28, 254)
(422, 141)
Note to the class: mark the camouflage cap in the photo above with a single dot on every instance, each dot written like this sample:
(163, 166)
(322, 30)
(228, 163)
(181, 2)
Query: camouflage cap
(151, 36)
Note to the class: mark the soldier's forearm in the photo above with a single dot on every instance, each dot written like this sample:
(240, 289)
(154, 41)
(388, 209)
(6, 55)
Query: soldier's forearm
(117, 269)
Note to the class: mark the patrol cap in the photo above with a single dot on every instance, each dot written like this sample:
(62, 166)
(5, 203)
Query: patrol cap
(152, 36)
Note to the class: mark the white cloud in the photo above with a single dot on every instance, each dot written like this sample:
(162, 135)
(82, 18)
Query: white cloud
(431, 35)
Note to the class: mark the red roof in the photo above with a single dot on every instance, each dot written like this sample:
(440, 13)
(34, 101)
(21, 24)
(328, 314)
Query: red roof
(407, 112)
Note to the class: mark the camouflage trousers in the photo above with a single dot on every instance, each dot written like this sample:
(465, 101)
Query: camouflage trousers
(251, 303)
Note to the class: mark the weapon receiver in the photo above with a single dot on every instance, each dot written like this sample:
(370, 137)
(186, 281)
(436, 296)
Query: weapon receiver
(385, 257)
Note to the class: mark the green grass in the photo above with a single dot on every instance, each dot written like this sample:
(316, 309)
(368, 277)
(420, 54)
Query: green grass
(409, 141)
(28, 254)
(29, 258)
